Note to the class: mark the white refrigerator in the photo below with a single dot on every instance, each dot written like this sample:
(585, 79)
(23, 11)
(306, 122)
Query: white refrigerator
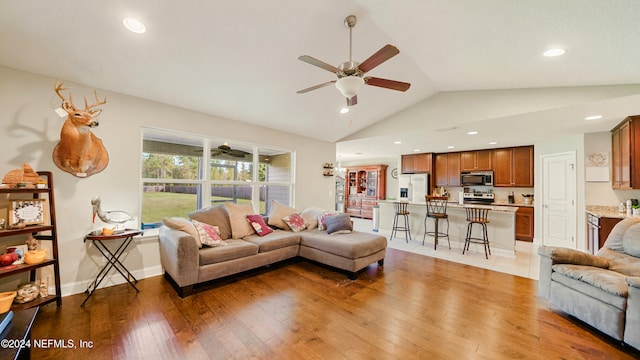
(413, 188)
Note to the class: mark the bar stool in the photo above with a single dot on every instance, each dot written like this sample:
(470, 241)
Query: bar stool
(437, 210)
(401, 210)
(477, 216)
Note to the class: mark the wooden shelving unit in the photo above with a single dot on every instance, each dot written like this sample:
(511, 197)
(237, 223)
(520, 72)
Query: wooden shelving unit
(41, 232)
(365, 186)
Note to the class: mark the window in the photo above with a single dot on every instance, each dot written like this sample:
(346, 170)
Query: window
(177, 168)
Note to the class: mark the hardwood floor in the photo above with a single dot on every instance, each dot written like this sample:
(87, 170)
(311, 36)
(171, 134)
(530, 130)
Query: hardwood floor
(415, 307)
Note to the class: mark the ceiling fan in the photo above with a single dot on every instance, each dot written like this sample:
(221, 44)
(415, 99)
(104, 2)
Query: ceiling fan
(350, 73)
(227, 150)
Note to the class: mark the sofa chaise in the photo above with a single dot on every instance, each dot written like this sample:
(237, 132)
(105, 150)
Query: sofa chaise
(602, 290)
(187, 263)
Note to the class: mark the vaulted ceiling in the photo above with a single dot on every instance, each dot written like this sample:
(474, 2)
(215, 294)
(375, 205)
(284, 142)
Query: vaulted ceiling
(238, 59)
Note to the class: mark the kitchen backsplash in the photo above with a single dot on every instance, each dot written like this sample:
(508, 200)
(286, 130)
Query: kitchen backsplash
(501, 193)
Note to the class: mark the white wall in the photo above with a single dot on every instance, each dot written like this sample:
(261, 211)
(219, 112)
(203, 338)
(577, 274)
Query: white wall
(29, 130)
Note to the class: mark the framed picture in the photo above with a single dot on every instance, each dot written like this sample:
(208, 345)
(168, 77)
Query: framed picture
(29, 212)
(21, 250)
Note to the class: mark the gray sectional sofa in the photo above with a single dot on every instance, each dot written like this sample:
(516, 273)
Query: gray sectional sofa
(186, 263)
(603, 290)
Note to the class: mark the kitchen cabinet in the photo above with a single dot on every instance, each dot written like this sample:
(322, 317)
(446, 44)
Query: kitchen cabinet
(416, 163)
(598, 229)
(447, 169)
(513, 167)
(524, 224)
(45, 231)
(365, 186)
(477, 160)
(625, 150)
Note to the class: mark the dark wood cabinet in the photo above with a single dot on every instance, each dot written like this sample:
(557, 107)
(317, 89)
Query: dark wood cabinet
(625, 150)
(524, 224)
(365, 186)
(513, 167)
(598, 229)
(447, 169)
(416, 163)
(477, 160)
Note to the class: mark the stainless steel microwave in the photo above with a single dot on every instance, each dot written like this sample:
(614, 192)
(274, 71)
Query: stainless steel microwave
(477, 178)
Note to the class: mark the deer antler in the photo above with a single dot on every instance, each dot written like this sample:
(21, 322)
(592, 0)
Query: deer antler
(58, 88)
(88, 107)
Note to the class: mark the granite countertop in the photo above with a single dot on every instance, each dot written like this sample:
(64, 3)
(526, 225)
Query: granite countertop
(607, 211)
(493, 207)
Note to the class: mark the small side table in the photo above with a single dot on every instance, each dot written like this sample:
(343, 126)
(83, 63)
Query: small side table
(113, 258)
(19, 332)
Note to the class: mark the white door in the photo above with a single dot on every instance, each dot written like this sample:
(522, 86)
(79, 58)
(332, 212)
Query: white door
(559, 200)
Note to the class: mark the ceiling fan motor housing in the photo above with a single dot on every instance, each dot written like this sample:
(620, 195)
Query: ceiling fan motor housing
(349, 68)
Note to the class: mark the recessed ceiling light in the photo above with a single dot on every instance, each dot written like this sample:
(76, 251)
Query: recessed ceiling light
(593, 117)
(472, 133)
(554, 52)
(493, 142)
(397, 142)
(344, 110)
(416, 150)
(450, 147)
(134, 25)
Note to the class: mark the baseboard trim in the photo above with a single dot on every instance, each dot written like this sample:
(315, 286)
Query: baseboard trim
(113, 278)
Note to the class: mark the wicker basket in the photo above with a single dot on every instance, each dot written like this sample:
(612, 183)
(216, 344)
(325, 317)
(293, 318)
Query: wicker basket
(35, 256)
(6, 299)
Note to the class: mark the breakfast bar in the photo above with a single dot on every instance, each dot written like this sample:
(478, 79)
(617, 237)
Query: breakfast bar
(501, 228)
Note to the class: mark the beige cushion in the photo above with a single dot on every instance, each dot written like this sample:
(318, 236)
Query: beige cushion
(609, 281)
(631, 240)
(310, 215)
(183, 224)
(278, 212)
(614, 240)
(214, 215)
(240, 226)
(572, 256)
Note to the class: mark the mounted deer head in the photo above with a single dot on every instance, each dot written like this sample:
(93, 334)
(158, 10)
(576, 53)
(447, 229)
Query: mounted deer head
(79, 151)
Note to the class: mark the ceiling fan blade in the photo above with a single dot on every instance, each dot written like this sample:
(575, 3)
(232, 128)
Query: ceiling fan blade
(387, 84)
(384, 54)
(315, 87)
(321, 64)
(353, 101)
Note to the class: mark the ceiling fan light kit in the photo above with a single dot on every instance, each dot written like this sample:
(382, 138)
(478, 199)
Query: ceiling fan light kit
(349, 86)
(350, 73)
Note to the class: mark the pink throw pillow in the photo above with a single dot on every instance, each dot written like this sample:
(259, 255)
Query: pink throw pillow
(258, 224)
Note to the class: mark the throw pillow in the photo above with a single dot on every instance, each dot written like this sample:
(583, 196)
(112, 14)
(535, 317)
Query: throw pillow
(295, 222)
(258, 224)
(277, 212)
(209, 234)
(322, 225)
(214, 215)
(240, 227)
(310, 215)
(183, 224)
(339, 224)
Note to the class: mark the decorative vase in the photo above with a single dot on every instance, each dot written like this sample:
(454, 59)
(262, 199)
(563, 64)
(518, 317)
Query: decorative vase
(636, 211)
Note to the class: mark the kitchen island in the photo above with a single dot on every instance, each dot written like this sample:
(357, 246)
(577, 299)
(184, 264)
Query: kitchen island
(501, 228)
